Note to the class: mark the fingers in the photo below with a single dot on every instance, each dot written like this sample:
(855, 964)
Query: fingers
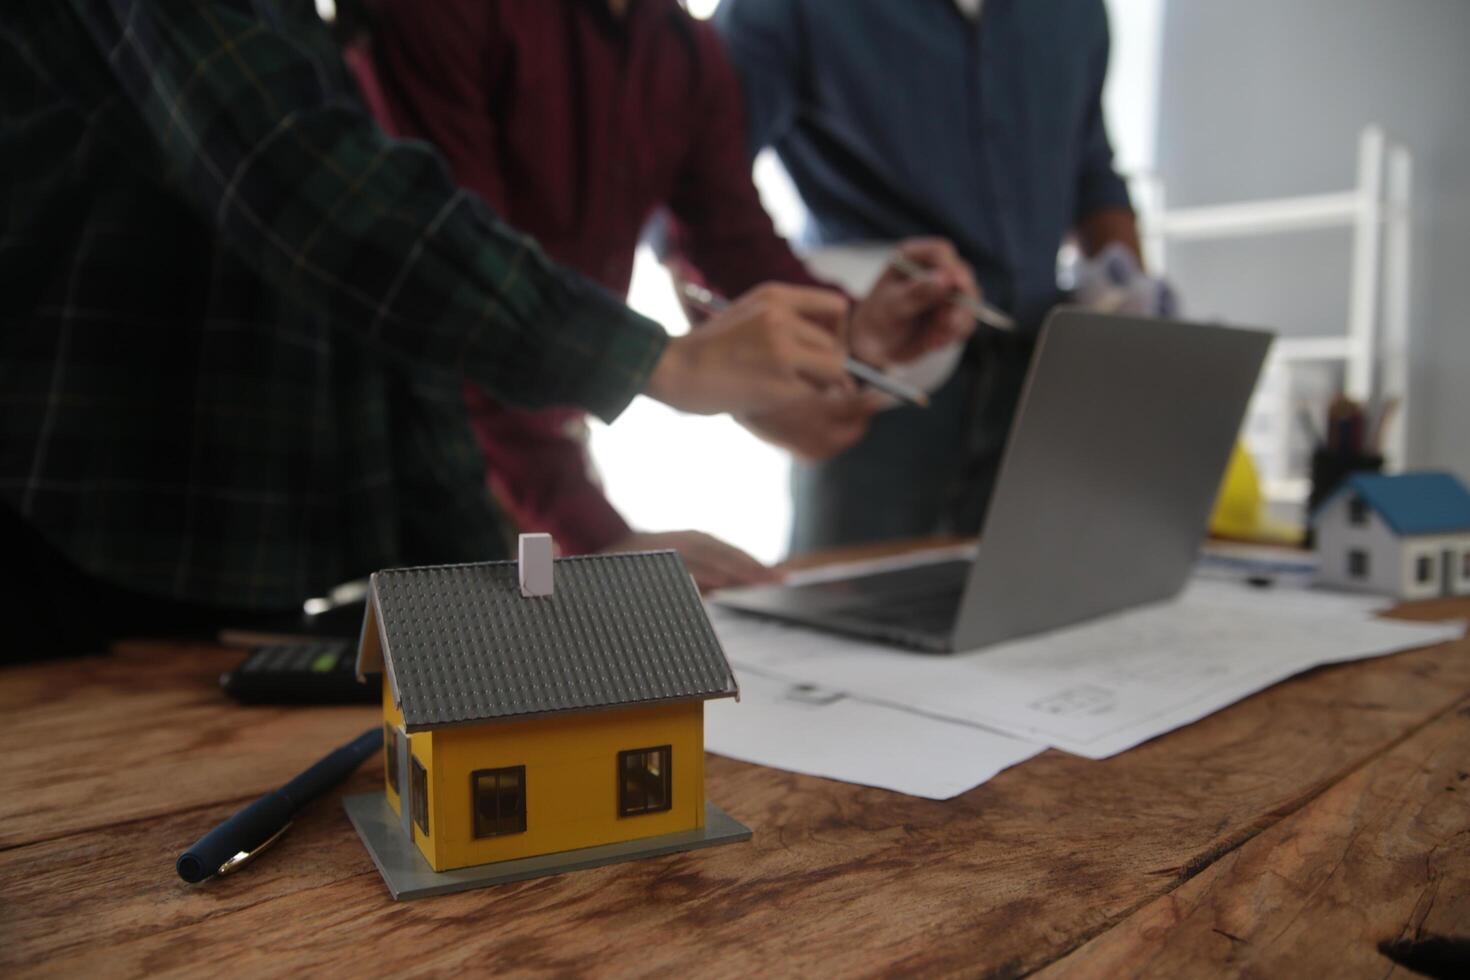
(903, 317)
(869, 402)
(834, 424)
(928, 302)
(818, 426)
(964, 277)
(816, 357)
(738, 567)
(956, 323)
(821, 305)
(944, 263)
(910, 298)
(777, 344)
(824, 307)
(805, 333)
(717, 565)
(822, 370)
(959, 321)
(713, 563)
(839, 411)
(932, 253)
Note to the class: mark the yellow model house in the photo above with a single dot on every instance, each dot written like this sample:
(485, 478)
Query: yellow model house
(543, 707)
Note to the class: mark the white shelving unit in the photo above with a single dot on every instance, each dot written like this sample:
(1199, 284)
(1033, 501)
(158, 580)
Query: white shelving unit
(1373, 349)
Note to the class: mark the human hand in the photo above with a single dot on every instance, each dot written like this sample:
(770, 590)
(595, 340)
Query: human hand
(772, 346)
(713, 563)
(819, 426)
(903, 317)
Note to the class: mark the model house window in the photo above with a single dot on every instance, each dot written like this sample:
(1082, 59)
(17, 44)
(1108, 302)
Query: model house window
(1357, 511)
(390, 763)
(1424, 568)
(419, 791)
(1357, 561)
(645, 781)
(499, 800)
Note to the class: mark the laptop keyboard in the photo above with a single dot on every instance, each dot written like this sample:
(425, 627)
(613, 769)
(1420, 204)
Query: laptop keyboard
(923, 614)
(924, 598)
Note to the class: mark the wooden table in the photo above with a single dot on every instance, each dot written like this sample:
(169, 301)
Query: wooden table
(1289, 835)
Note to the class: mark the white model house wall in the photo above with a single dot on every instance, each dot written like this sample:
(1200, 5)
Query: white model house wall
(1447, 571)
(1368, 556)
(1363, 557)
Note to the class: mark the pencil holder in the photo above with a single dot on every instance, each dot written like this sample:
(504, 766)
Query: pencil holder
(1329, 469)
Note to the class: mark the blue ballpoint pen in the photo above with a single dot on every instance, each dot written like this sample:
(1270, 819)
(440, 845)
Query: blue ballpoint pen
(237, 841)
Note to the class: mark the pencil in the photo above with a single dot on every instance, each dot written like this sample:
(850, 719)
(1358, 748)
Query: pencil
(709, 303)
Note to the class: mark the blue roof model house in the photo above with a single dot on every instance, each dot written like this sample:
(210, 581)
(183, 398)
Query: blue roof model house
(1406, 535)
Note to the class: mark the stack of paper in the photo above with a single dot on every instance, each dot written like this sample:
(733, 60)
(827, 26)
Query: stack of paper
(1094, 689)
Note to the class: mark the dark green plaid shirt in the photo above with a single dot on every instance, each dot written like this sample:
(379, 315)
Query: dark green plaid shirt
(236, 319)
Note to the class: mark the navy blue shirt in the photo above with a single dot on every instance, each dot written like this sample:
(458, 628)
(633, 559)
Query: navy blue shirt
(898, 118)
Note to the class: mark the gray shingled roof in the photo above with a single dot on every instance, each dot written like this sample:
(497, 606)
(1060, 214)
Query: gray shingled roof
(464, 645)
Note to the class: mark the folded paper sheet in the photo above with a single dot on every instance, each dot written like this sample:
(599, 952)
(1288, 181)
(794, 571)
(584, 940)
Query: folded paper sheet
(1101, 687)
(821, 732)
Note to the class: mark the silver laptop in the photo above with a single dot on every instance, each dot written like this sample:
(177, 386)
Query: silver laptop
(1121, 437)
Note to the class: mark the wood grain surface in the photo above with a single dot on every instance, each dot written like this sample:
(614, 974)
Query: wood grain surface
(1289, 834)
(1382, 857)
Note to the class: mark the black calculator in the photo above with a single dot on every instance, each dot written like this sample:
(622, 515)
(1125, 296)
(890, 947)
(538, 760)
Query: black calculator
(306, 672)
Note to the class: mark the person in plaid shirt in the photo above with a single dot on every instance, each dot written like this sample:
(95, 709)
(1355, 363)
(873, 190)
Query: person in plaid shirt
(238, 320)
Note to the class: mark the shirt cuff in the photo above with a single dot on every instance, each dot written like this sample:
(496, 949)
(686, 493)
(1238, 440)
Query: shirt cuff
(617, 351)
(1102, 192)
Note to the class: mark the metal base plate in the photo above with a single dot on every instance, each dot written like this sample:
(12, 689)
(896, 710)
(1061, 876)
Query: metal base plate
(408, 875)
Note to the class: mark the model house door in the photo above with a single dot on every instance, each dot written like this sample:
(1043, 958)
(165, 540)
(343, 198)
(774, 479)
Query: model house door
(405, 808)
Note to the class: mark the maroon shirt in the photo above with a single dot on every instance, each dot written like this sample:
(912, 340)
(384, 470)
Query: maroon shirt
(575, 126)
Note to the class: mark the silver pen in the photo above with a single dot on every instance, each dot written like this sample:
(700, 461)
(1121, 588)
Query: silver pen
(981, 310)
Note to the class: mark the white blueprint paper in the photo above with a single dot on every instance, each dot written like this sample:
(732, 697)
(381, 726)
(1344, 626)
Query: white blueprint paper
(821, 732)
(1104, 686)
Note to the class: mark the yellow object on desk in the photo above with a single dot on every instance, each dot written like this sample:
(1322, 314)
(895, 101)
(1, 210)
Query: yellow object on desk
(1240, 508)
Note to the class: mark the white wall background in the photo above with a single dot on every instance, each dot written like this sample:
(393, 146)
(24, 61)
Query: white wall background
(1266, 98)
(667, 471)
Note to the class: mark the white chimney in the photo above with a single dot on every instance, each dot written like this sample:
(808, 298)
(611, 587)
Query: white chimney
(535, 564)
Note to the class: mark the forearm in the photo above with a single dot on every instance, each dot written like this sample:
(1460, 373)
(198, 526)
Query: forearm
(1098, 230)
(363, 229)
(1104, 212)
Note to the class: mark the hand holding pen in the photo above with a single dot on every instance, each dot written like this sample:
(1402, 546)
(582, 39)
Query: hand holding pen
(711, 304)
(926, 298)
(775, 346)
